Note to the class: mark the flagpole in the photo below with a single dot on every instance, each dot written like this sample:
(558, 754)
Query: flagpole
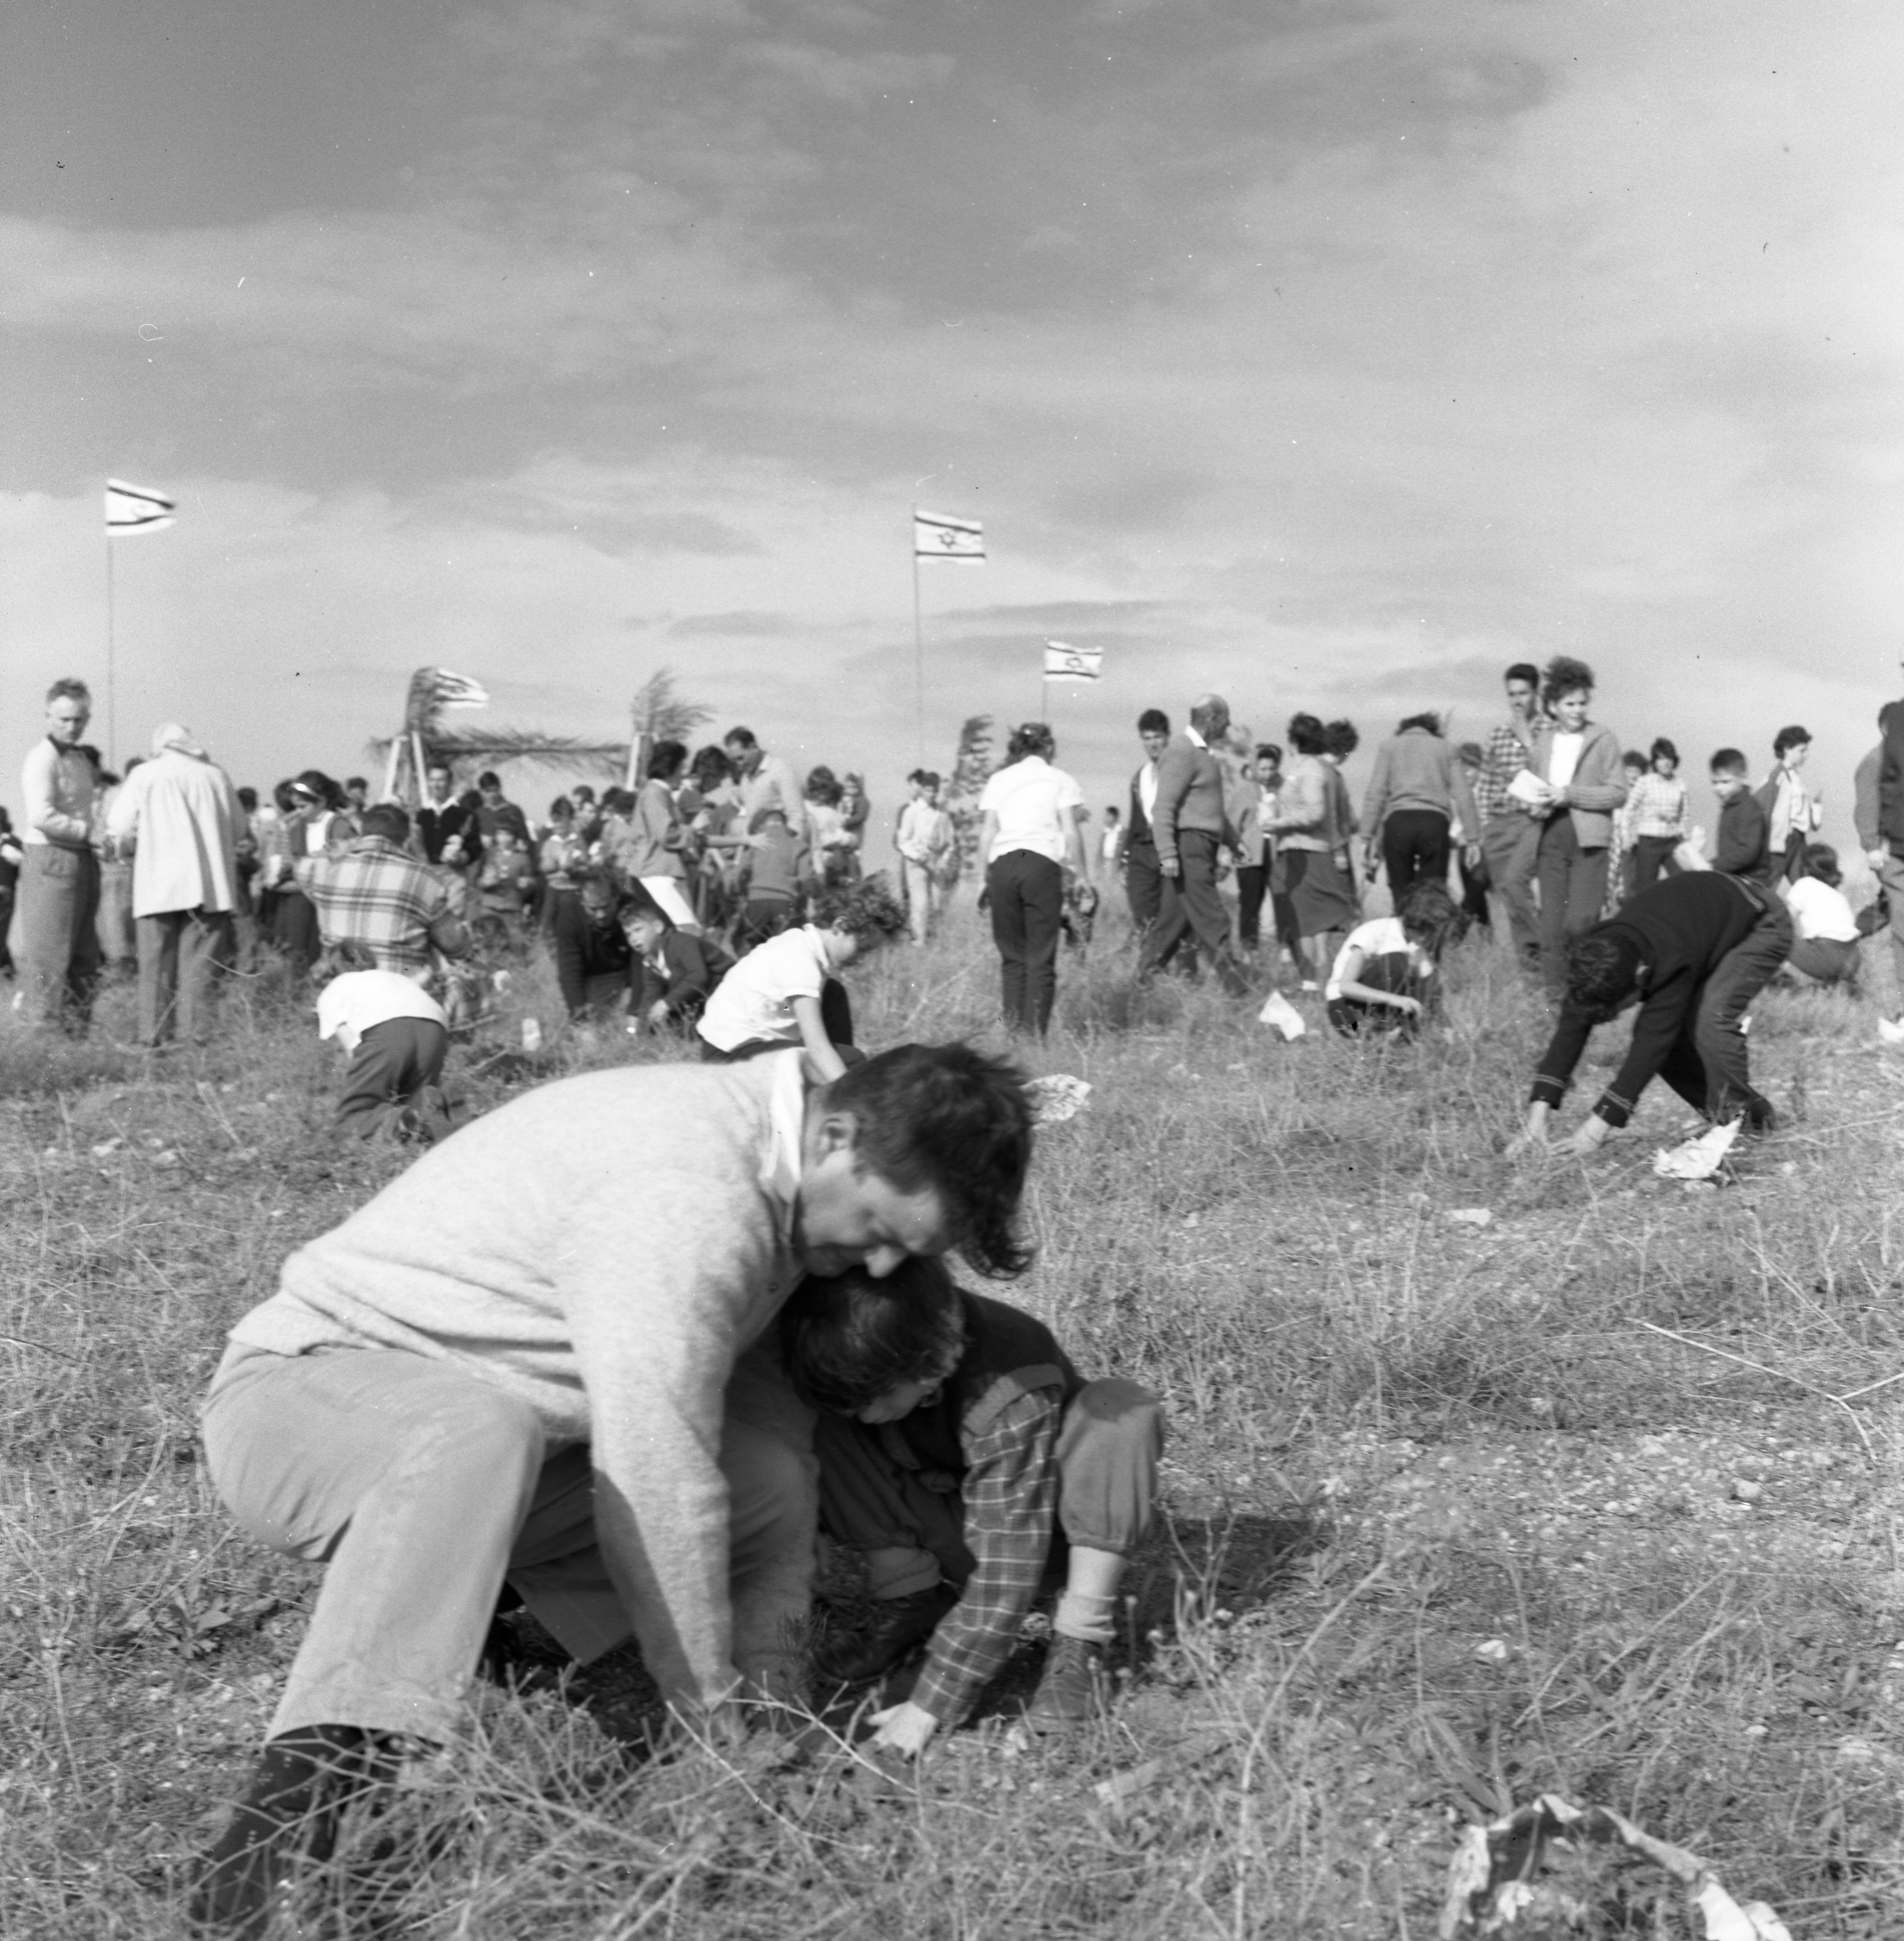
(919, 646)
(111, 701)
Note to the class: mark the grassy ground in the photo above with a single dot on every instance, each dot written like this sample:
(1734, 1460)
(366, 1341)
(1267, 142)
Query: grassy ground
(1447, 1525)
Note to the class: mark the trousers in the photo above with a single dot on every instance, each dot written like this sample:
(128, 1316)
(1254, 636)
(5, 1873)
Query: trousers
(1143, 884)
(1415, 845)
(1106, 1455)
(1028, 911)
(393, 1063)
(180, 954)
(922, 898)
(1192, 907)
(1510, 845)
(1572, 887)
(1890, 878)
(421, 1489)
(57, 952)
(1707, 1065)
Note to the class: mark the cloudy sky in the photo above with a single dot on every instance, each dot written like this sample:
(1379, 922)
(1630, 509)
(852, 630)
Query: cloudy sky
(1331, 355)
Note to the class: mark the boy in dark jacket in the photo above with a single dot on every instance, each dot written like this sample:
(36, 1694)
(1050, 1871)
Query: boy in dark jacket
(675, 973)
(960, 1451)
(1744, 845)
(1693, 952)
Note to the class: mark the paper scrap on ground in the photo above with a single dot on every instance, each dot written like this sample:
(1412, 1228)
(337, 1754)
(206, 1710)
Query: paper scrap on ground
(1279, 1011)
(1697, 1159)
(1472, 1216)
(1057, 1098)
(1491, 1883)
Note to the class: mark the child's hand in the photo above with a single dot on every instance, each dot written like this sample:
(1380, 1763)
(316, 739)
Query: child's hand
(905, 1728)
(658, 1012)
(1409, 1006)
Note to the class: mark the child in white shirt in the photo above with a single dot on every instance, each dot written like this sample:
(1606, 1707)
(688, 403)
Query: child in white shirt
(1825, 926)
(396, 1037)
(1384, 973)
(785, 992)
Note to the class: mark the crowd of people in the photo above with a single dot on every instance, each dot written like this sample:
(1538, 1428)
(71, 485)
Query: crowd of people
(616, 1353)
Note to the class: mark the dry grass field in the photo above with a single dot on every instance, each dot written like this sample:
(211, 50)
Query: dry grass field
(1447, 1525)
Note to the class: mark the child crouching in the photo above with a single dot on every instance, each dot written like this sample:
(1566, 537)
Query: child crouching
(1384, 973)
(962, 1453)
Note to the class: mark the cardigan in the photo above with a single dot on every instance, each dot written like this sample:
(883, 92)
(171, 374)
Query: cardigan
(1599, 786)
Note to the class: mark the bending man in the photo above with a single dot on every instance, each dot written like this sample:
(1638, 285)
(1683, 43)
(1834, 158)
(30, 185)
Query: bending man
(1692, 951)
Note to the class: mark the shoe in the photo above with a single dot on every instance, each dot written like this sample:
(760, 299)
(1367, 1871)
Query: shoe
(899, 1625)
(1075, 1685)
(1890, 1031)
(291, 1812)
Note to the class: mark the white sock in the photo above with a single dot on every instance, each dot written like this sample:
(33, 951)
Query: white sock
(1093, 1619)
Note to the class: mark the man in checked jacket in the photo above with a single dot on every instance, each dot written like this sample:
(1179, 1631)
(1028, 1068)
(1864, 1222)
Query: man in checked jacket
(1510, 837)
(376, 895)
(965, 1457)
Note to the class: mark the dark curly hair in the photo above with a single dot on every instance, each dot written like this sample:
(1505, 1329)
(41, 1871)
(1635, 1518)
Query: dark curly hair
(1563, 675)
(1307, 735)
(1340, 739)
(867, 910)
(949, 1117)
(1031, 737)
(1602, 972)
(1432, 917)
(849, 1339)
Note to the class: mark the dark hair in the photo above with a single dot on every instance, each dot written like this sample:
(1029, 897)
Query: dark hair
(1602, 969)
(867, 910)
(710, 768)
(850, 1339)
(1729, 761)
(1431, 722)
(561, 805)
(1522, 671)
(1432, 917)
(356, 781)
(664, 761)
(1153, 721)
(583, 793)
(1632, 758)
(927, 778)
(433, 762)
(637, 902)
(489, 778)
(287, 801)
(316, 782)
(1821, 861)
(617, 801)
(1307, 735)
(1030, 737)
(1565, 675)
(1472, 754)
(743, 735)
(1268, 751)
(1662, 746)
(1340, 740)
(247, 797)
(1788, 737)
(823, 787)
(389, 819)
(946, 1117)
(69, 690)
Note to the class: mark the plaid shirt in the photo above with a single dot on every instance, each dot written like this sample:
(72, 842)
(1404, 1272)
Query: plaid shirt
(1010, 1490)
(377, 895)
(1657, 806)
(1506, 756)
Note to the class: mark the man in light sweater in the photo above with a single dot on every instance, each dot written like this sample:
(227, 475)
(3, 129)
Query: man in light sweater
(181, 812)
(1191, 825)
(542, 1354)
(58, 950)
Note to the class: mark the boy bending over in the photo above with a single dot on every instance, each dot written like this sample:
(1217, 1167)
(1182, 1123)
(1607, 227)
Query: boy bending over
(962, 1453)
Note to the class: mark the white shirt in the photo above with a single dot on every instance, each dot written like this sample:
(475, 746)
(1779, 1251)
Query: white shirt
(1381, 937)
(1818, 910)
(349, 1006)
(1033, 802)
(1564, 757)
(754, 1000)
(1107, 843)
(57, 784)
(1147, 790)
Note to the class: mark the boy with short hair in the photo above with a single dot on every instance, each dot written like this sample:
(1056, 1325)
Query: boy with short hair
(1743, 847)
(922, 838)
(785, 991)
(676, 970)
(776, 868)
(961, 1452)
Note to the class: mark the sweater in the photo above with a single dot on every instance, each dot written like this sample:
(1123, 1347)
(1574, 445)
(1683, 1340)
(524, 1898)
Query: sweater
(655, 847)
(1599, 786)
(602, 1249)
(1890, 775)
(1417, 769)
(1864, 800)
(585, 950)
(1189, 794)
(1744, 845)
(1684, 928)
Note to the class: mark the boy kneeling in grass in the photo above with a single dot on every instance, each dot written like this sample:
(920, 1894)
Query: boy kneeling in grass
(962, 1453)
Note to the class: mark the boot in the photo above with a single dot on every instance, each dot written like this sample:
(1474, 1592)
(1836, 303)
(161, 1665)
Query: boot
(299, 1788)
(1073, 1686)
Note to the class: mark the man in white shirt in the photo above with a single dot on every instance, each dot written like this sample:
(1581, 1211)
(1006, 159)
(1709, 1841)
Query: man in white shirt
(58, 954)
(180, 810)
(922, 838)
(763, 780)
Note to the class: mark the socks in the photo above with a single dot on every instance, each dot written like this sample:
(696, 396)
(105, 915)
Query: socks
(1093, 1619)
